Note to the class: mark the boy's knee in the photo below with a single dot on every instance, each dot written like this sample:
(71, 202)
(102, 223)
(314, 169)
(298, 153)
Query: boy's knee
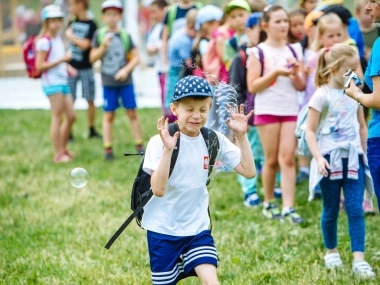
(108, 117)
(72, 118)
(132, 115)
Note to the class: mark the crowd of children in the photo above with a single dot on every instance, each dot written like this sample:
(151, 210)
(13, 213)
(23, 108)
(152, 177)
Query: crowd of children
(278, 62)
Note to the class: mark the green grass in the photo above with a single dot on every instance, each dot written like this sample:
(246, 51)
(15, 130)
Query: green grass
(52, 233)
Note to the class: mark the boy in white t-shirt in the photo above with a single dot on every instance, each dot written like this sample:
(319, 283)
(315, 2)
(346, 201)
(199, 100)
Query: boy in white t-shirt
(176, 218)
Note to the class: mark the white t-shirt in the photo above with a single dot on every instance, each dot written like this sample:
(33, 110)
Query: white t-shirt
(280, 99)
(341, 123)
(154, 41)
(182, 210)
(58, 74)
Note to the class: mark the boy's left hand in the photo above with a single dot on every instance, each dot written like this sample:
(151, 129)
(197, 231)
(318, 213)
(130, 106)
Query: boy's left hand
(121, 75)
(238, 121)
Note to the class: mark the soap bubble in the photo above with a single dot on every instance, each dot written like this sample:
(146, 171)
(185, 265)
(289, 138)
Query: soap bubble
(79, 177)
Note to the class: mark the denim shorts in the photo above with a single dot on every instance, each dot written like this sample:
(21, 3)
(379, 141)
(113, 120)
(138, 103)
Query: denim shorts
(113, 95)
(56, 89)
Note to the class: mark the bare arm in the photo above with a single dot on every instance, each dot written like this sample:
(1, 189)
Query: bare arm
(159, 178)
(363, 129)
(369, 100)
(134, 61)
(238, 124)
(220, 47)
(165, 38)
(311, 138)
(255, 81)
(97, 53)
(299, 78)
(83, 44)
(42, 65)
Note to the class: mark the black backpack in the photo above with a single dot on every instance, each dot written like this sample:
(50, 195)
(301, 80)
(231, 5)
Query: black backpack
(142, 191)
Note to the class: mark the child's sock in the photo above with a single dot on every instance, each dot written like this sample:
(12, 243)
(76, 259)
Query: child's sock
(92, 131)
(285, 210)
(305, 169)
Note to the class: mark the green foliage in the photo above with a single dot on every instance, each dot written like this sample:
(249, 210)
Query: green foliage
(52, 233)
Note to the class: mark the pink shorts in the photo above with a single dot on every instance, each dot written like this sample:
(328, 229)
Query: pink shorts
(270, 119)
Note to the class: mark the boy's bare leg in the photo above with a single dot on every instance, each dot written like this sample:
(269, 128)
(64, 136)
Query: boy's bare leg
(108, 118)
(135, 124)
(207, 274)
(91, 113)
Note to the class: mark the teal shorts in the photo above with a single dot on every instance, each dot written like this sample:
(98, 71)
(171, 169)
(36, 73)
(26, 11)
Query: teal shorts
(56, 89)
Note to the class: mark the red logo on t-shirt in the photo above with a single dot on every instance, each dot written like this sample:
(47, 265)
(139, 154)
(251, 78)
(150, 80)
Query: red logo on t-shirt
(205, 162)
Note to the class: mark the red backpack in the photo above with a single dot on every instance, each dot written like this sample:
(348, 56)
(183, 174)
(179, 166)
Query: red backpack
(30, 54)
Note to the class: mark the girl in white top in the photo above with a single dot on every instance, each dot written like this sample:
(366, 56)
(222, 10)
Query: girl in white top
(339, 150)
(51, 61)
(276, 108)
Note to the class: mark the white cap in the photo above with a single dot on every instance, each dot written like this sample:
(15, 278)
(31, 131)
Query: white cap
(51, 11)
(112, 4)
(206, 14)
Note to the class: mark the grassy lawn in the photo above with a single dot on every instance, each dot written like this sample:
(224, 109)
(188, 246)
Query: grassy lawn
(52, 233)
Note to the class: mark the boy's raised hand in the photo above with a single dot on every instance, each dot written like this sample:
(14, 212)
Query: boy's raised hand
(163, 129)
(238, 121)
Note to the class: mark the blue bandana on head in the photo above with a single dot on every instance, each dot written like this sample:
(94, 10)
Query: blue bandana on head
(191, 86)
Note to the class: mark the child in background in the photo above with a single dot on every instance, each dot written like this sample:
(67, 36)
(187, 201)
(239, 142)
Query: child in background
(213, 59)
(206, 23)
(369, 29)
(176, 218)
(296, 25)
(276, 108)
(175, 20)
(339, 152)
(51, 61)
(238, 79)
(119, 57)
(79, 34)
(180, 45)
(154, 42)
(308, 5)
(238, 19)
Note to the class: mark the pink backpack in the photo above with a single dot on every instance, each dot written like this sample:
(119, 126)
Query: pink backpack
(30, 54)
(210, 60)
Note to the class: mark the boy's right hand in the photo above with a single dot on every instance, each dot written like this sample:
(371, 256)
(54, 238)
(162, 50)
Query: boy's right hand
(163, 129)
(107, 40)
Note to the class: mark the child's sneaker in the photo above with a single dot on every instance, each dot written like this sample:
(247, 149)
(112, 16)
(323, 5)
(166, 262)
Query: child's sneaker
(109, 154)
(362, 269)
(302, 177)
(333, 260)
(277, 192)
(368, 207)
(252, 200)
(292, 216)
(94, 134)
(271, 211)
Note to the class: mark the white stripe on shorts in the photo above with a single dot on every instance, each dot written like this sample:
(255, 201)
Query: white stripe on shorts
(167, 277)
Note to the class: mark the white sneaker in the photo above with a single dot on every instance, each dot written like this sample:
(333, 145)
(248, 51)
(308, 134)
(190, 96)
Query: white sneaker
(362, 269)
(332, 260)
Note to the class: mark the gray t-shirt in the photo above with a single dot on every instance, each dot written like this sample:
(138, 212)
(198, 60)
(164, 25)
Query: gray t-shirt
(114, 59)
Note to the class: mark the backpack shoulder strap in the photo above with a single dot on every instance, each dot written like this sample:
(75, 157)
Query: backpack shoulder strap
(243, 56)
(261, 59)
(212, 143)
(101, 34)
(125, 39)
(172, 13)
(173, 128)
(293, 51)
(326, 107)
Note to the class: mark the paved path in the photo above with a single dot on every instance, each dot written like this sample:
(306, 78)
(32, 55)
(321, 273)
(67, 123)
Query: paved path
(25, 93)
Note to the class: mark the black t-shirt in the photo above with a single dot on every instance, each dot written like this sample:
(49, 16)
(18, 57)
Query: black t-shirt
(82, 30)
(180, 18)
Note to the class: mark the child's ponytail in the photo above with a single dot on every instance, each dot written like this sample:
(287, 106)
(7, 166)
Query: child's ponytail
(331, 59)
(323, 72)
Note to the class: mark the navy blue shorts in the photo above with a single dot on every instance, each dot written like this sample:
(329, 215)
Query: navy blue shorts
(112, 96)
(174, 258)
